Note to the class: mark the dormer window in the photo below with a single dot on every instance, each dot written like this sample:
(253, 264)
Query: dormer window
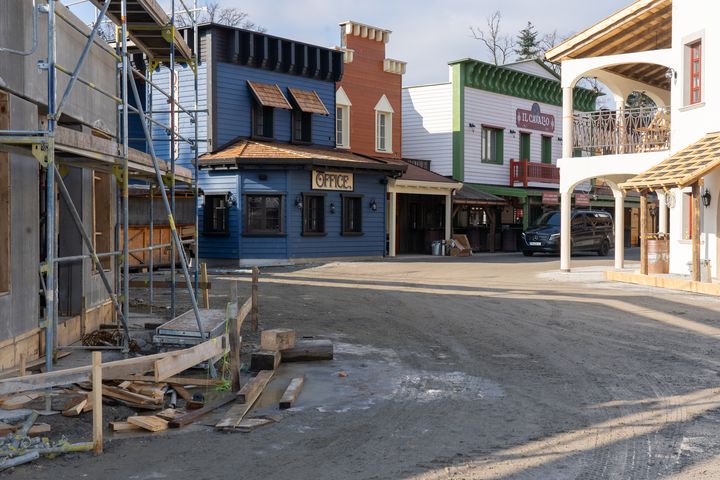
(306, 102)
(342, 119)
(383, 126)
(268, 97)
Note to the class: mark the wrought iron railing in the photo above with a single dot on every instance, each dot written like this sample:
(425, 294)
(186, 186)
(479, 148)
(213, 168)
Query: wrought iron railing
(424, 164)
(632, 130)
(523, 171)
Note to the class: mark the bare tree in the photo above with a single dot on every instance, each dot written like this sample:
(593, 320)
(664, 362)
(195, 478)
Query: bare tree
(499, 45)
(214, 12)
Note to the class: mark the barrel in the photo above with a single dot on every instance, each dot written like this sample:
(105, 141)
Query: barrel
(658, 256)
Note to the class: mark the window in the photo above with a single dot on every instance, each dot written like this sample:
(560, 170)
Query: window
(695, 73)
(352, 215)
(492, 145)
(302, 127)
(4, 220)
(342, 119)
(546, 149)
(216, 215)
(524, 146)
(383, 126)
(264, 214)
(262, 121)
(313, 214)
(102, 221)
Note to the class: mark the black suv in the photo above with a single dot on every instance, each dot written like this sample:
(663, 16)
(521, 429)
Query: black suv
(592, 231)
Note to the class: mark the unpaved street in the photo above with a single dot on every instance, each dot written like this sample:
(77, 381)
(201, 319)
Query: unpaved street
(488, 367)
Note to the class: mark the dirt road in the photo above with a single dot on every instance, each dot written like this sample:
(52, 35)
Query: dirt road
(490, 367)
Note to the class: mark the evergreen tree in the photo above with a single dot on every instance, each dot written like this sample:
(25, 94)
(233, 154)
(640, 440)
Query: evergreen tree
(528, 44)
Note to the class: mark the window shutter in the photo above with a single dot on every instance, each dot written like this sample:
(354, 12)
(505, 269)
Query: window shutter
(499, 147)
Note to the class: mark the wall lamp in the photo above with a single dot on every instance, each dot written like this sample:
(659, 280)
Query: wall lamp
(373, 205)
(671, 74)
(299, 202)
(512, 132)
(706, 197)
(472, 126)
(231, 199)
(332, 208)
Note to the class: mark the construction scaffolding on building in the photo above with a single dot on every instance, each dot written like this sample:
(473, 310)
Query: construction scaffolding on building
(145, 37)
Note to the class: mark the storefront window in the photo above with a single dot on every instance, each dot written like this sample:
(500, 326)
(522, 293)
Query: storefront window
(352, 215)
(313, 214)
(264, 215)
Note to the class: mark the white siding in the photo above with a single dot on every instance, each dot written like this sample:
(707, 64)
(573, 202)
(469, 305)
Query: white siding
(427, 125)
(494, 109)
(533, 68)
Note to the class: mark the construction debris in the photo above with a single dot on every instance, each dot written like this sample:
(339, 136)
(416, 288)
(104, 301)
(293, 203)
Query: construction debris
(264, 360)
(277, 339)
(308, 350)
(246, 397)
(291, 393)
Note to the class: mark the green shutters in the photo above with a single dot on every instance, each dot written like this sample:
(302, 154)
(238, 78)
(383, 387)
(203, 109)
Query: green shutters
(546, 149)
(524, 146)
(492, 150)
(458, 121)
(499, 146)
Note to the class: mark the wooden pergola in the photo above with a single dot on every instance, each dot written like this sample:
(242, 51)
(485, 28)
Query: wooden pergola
(686, 168)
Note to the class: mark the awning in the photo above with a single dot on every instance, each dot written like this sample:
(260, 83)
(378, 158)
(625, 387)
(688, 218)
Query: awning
(269, 95)
(308, 101)
(682, 169)
(470, 196)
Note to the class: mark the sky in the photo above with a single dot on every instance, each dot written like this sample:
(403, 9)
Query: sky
(427, 34)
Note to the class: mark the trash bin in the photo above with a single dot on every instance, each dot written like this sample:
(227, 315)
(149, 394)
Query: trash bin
(437, 248)
(658, 256)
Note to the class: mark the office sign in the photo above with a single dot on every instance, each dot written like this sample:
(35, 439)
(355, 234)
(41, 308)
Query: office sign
(534, 119)
(332, 181)
(582, 200)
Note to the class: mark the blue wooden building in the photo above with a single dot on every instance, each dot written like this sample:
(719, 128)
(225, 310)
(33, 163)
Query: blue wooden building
(274, 185)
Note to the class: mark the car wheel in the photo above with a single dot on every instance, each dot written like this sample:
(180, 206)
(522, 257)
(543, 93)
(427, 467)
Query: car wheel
(527, 253)
(604, 248)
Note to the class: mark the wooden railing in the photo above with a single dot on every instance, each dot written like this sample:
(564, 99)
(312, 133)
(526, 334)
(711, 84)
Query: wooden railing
(524, 171)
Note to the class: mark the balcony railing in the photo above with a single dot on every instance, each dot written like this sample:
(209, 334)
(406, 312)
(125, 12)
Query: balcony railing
(632, 130)
(525, 172)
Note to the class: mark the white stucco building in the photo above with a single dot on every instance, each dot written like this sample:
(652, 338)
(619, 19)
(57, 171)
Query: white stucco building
(666, 50)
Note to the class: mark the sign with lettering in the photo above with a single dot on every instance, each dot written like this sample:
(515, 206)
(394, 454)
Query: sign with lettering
(582, 200)
(534, 119)
(332, 181)
(551, 198)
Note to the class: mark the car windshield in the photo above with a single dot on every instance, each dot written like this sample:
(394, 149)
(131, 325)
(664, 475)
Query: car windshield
(549, 219)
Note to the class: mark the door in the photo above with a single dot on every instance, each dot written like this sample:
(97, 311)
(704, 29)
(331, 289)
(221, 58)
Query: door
(525, 146)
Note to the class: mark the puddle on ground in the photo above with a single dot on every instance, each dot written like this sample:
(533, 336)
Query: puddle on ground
(374, 375)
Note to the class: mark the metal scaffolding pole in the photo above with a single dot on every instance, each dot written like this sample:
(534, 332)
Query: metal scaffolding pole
(196, 61)
(126, 173)
(171, 220)
(173, 251)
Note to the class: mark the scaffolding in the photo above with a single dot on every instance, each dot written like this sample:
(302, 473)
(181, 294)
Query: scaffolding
(143, 26)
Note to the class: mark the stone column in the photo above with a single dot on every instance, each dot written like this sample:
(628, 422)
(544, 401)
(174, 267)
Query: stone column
(565, 229)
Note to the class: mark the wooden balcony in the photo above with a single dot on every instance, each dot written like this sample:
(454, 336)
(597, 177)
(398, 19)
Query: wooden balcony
(526, 172)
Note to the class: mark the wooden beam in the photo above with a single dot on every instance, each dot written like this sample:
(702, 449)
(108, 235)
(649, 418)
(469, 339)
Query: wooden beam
(277, 339)
(292, 392)
(254, 297)
(204, 277)
(643, 234)
(97, 402)
(308, 350)
(181, 360)
(696, 218)
(253, 388)
(235, 342)
(193, 415)
(265, 360)
(237, 412)
(202, 285)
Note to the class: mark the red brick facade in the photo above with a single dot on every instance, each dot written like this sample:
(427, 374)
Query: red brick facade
(365, 82)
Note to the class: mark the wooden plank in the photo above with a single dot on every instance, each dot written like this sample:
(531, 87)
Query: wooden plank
(36, 430)
(76, 409)
(125, 396)
(152, 390)
(169, 413)
(254, 298)
(185, 381)
(291, 393)
(97, 392)
(193, 415)
(264, 360)
(277, 339)
(19, 401)
(205, 290)
(202, 285)
(695, 234)
(246, 400)
(250, 424)
(235, 343)
(123, 427)
(149, 422)
(182, 392)
(308, 350)
(181, 360)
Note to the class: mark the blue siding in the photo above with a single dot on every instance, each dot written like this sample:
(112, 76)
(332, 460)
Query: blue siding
(234, 103)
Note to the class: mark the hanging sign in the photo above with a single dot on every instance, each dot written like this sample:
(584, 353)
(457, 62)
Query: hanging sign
(533, 119)
(582, 200)
(551, 198)
(332, 181)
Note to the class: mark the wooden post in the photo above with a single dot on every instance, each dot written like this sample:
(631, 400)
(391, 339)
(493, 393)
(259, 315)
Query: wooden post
(231, 314)
(23, 365)
(204, 278)
(97, 402)
(83, 317)
(255, 307)
(695, 212)
(643, 234)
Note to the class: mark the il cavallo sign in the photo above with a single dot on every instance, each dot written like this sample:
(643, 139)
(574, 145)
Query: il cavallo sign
(332, 181)
(534, 119)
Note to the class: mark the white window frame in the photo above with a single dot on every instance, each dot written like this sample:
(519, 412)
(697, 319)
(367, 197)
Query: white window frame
(342, 107)
(384, 110)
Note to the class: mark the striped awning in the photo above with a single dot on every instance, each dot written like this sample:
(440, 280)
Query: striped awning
(269, 95)
(308, 101)
(682, 169)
